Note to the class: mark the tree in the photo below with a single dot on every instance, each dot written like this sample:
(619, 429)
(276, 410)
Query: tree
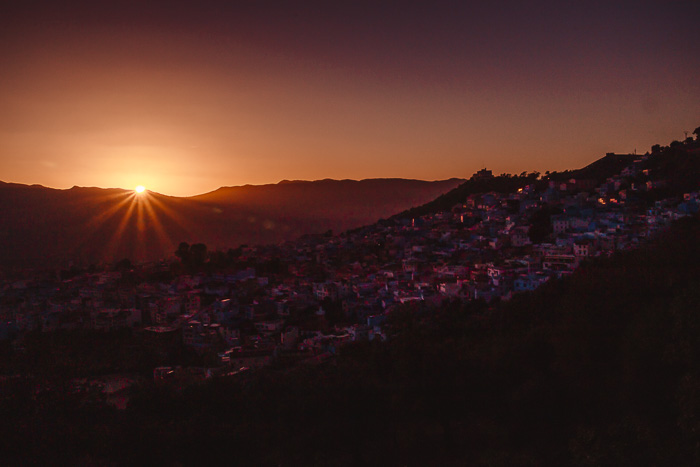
(192, 255)
(183, 252)
(198, 253)
(696, 132)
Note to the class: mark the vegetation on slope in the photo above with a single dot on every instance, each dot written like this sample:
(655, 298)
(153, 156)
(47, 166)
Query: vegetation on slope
(504, 183)
(599, 170)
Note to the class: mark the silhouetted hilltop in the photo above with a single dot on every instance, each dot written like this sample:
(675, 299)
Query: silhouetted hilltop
(678, 166)
(326, 196)
(599, 170)
(500, 184)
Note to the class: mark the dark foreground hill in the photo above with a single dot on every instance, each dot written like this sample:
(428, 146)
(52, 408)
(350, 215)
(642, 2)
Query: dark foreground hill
(601, 368)
(40, 226)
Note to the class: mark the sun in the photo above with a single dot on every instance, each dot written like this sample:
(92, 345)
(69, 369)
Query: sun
(140, 189)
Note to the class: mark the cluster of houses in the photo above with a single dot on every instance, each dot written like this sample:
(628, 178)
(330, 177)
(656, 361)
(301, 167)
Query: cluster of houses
(330, 290)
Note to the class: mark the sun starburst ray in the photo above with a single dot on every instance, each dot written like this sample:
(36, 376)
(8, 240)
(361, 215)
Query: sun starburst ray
(112, 244)
(171, 214)
(163, 237)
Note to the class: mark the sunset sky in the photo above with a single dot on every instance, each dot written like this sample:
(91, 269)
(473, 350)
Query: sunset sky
(185, 97)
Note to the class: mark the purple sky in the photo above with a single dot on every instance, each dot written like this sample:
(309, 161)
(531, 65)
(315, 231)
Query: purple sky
(183, 97)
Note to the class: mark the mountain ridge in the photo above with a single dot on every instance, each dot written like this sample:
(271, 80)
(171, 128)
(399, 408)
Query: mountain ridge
(42, 226)
(231, 187)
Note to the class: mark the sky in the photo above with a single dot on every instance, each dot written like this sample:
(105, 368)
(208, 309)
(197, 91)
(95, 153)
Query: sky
(185, 97)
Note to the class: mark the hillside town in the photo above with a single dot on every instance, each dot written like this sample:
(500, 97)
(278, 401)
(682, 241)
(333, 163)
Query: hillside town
(299, 302)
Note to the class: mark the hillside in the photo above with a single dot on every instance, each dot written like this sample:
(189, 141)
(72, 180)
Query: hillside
(41, 226)
(500, 184)
(599, 170)
(599, 368)
(678, 166)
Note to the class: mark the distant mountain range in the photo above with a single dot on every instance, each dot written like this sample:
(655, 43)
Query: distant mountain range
(42, 226)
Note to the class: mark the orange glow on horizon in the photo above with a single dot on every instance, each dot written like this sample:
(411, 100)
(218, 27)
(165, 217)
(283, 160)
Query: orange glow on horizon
(198, 98)
(140, 189)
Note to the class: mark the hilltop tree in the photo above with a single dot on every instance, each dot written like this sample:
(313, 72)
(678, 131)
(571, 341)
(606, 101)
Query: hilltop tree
(192, 255)
(183, 252)
(696, 132)
(198, 253)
